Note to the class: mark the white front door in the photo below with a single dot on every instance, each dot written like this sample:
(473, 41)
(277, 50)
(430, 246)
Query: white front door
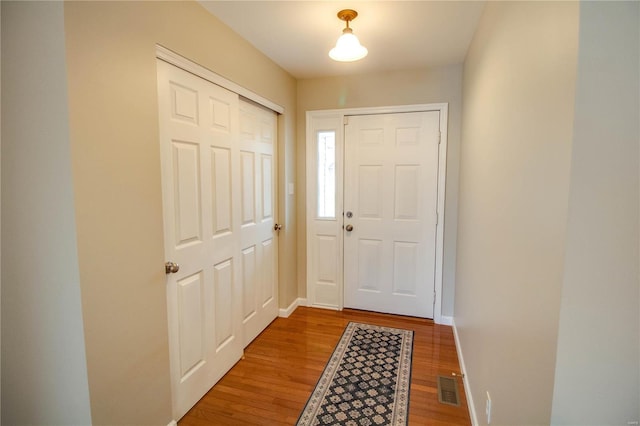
(218, 203)
(390, 200)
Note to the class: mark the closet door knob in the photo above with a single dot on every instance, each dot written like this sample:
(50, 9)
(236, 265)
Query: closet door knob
(171, 268)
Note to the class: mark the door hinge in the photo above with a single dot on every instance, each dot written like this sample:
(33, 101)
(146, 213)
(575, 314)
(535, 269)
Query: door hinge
(439, 137)
(437, 217)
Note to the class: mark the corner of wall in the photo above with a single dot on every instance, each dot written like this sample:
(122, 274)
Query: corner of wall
(601, 268)
(463, 369)
(40, 274)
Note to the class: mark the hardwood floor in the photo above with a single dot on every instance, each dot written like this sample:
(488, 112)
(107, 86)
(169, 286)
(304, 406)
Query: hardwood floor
(282, 365)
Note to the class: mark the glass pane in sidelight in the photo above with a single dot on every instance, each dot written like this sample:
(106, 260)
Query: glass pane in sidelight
(326, 174)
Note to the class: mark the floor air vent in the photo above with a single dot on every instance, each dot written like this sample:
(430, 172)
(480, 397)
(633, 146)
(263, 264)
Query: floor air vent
(448, 391)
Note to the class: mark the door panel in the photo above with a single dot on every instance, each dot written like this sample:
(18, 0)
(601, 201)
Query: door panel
(221, 190)
(369, 265)
(267, 187)
(224, 315)
(184, 103)
(191, 320)
(370, 191)
(249, 281)
(248, 188)
(405, 261)
(391, 178)
(186, 175)
(406, 191)
(327, 270)
(268, 272)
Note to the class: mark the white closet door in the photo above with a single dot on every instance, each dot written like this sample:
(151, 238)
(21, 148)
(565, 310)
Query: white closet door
(201, 187)
(258, 242)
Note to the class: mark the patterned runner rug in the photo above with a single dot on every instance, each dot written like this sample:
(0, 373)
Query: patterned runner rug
(366, 381)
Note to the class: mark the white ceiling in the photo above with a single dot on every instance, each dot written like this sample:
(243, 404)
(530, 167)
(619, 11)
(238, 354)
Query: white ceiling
(400, 35)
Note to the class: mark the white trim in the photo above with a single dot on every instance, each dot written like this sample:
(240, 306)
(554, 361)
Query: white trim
(442, 174)
(463, 370)
(445, 320)
(381, 110)
(443, 109)
(173, 423)
(284, 313)
(181, 62)
(322, 306)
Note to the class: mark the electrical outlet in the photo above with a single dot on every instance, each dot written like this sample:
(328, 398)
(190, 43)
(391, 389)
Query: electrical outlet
(488, 408)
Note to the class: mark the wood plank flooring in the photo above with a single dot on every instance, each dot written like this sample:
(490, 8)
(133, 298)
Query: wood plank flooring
(282, 365)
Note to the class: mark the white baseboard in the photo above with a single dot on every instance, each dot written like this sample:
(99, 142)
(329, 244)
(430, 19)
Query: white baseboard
(284, 313)
(463, 368)
(173, 423)
(444, 320)
(328, 307)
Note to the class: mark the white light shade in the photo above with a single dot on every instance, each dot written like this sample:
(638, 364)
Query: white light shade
(348, 48)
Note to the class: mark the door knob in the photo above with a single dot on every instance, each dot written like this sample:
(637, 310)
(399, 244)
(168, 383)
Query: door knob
(171, 268)
(349, 228)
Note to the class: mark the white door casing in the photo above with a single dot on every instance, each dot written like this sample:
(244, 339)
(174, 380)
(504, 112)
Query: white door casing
(216, 228)
(321, 261)
(390, 192)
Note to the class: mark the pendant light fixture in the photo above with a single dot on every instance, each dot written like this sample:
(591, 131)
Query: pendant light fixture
(348, 47)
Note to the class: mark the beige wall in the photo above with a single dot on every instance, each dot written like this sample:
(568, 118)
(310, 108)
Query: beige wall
(44, 374)
(385, 89)
(116, 176)
(599, 338)
(518, 93)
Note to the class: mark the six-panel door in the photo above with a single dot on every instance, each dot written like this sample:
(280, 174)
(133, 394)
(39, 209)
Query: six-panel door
(390, 189)
(218, 204)
(257, 236)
